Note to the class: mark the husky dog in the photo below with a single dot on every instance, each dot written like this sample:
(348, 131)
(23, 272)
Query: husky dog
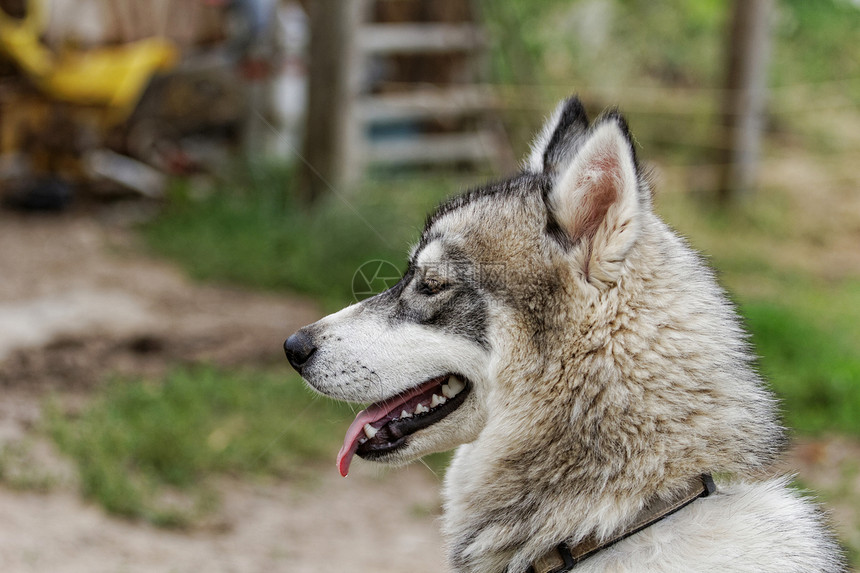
(588, 366)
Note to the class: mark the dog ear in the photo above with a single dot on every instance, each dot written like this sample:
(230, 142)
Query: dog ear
(596, 200)
(558, 140)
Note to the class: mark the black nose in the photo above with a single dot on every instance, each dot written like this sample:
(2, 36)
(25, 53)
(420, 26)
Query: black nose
(299, 348)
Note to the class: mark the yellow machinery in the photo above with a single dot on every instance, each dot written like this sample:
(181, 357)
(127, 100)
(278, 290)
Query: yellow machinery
(114, 77)
(79, 96)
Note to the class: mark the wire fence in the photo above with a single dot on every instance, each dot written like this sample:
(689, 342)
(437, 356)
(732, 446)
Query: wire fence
(690, 118)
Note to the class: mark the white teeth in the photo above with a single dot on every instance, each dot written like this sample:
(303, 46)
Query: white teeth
(446, 391)
(436, 401)
(421, 408)
(455, 386)
(369, 431)
(405, 414)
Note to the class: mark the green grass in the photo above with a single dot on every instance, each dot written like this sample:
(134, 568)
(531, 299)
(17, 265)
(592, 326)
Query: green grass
(814, 370)
(21, 470)
(148, 449)
(250, 232)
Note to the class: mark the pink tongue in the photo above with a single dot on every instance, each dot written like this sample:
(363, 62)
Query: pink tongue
(355, 431)
(373, 413)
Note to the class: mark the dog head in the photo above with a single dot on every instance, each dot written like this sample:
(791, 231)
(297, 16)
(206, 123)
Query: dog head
(497, 273)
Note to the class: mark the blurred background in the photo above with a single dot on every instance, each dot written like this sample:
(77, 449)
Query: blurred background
(186, 182)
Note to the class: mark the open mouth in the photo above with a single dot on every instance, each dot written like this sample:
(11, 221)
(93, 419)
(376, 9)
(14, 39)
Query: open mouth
(383, 427)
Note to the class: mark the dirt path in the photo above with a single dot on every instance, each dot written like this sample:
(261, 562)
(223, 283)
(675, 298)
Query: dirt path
(71, 282)
(78, 301)
(362, 523)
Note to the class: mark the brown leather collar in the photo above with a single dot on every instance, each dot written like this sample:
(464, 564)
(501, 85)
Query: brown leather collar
(562, 558)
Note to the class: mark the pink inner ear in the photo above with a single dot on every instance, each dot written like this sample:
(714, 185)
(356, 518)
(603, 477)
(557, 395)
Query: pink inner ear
(600, 185)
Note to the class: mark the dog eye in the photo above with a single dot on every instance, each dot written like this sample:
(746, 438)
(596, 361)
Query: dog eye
(431, 286)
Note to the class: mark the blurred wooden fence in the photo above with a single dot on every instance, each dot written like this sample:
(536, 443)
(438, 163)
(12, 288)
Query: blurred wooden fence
(394, 83)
